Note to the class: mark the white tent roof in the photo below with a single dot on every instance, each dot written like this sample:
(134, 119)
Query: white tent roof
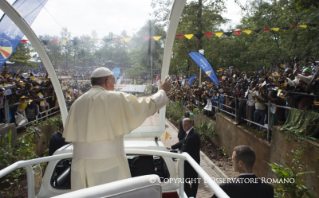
(134, 88)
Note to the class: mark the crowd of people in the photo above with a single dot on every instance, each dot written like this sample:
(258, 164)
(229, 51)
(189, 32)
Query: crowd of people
(30, 93)
(247, 93)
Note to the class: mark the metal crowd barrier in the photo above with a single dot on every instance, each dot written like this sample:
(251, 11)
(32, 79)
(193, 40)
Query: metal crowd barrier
(269, 104)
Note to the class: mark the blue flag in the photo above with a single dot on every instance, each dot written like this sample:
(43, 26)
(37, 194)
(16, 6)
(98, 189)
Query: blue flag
(201, 61)
(10, 34)
(191, 79)
(116, 72)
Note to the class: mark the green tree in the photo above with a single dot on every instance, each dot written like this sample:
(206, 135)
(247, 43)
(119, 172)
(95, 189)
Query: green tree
(22, 55)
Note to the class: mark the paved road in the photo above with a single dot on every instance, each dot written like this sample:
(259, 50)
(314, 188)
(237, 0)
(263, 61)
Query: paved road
(204, 191)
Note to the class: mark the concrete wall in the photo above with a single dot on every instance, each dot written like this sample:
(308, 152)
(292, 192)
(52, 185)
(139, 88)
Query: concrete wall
(280, 147)
(43, 142)
(231, 135)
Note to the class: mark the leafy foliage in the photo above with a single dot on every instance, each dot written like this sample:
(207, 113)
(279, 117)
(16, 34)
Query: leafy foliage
(174, 111)
(294, 189)
(23, 150)
(207, 129)
(22, 54)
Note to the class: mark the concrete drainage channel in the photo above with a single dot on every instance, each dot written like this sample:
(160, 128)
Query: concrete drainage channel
(205, 158)
(212, 165)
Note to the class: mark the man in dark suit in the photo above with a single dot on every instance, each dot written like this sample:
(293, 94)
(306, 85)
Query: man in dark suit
(191, 145)
(57, 141)
(247, 185)
(181, 132)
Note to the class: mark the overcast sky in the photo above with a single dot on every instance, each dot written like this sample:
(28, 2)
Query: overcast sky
(104, 16)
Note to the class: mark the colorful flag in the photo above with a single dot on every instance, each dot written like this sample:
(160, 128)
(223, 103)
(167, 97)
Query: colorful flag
(10, 34)
(166, 135)
(116, 72)
(191, 79)
(201, 61)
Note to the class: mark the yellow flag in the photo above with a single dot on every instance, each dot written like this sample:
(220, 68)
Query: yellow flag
(303, 26)
(127, 39)
(156, 38)
(18, 70)
(275, 29)
(166, 135)
(219, 34)
(189, 36)
(64, 41)
(32, 77)
(247, 31)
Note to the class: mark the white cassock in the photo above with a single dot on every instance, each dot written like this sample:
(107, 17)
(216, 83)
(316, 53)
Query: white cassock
(96, 124)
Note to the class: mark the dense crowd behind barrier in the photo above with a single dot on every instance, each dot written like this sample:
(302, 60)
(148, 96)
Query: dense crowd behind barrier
(246, 95)
(29, 92)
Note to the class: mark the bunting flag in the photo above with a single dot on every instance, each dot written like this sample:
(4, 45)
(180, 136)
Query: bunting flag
(127, 39)
(219, 34)
(228, 33)
(275, 29)
(238, 32)
(180, 36)
(202, 62)
(156, 38)
(208, 34)
(188, 36)
(45, 42)
(198, 36)
(10, 34)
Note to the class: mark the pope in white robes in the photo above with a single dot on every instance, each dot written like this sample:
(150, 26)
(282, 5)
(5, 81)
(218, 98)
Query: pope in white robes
(96, 124)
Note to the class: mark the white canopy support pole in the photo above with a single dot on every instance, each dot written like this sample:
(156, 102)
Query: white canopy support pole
(175, 15)
(32, 37)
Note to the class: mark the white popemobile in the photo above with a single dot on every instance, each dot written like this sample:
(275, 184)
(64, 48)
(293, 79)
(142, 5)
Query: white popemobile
(152, 167)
